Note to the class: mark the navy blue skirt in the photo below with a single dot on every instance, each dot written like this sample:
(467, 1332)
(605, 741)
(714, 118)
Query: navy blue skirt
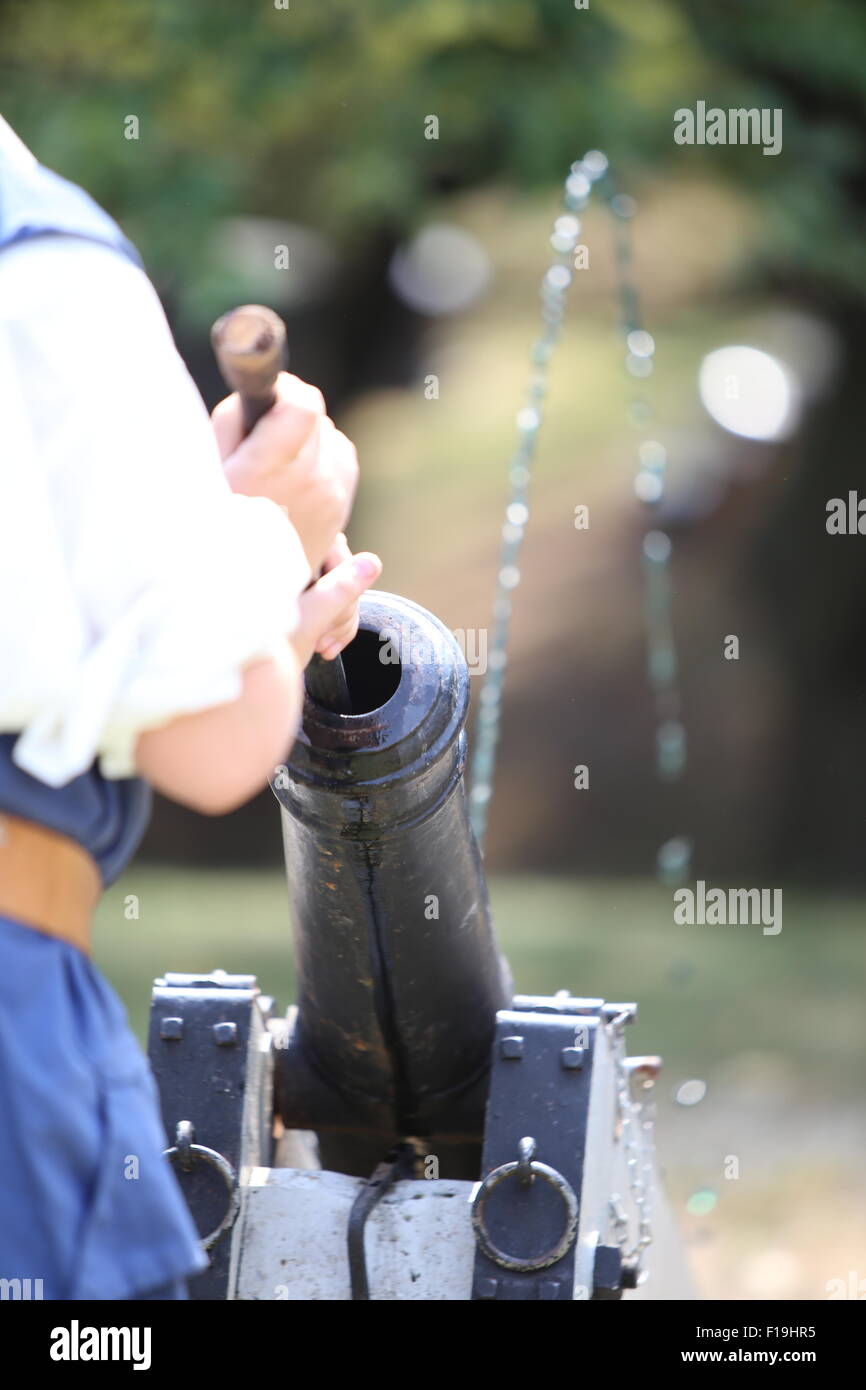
(88, 1203)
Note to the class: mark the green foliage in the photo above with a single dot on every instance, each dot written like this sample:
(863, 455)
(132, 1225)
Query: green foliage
(316, 112)
(810, 60)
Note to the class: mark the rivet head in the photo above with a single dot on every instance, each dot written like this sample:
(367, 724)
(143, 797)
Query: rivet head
(631, 1275)
(549, 1289)
(225, 1034)
(571, 1058)
(511, 1047)
(607, 1274)
(487, 1288)
(171, 1028)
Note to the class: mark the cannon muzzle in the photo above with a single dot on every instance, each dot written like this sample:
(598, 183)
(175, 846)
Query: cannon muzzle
(399, 974)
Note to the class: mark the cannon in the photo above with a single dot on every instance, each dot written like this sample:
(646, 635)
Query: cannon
(399, 974)
(411, 1129)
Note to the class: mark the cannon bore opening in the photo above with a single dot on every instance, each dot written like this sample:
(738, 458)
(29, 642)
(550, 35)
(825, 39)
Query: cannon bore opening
(371, 680)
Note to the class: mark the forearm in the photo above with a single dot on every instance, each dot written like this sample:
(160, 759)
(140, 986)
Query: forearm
(216, 759)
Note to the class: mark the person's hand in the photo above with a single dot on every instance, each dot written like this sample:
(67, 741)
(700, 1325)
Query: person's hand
(296, 456)
(329, 608)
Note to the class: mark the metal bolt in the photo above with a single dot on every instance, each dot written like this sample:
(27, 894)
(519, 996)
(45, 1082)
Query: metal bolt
(571, 1058)
(631, 1274)
(607, 1278)
(171, 1028)
(646, 1069)
(549, 1288)
(526, 1150)
(225, 1034)
(487, 1288)
(511, 1047)
(184, 1139)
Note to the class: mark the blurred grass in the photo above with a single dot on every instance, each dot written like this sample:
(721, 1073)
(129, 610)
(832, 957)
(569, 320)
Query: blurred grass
(706, 994)
(774, 1025)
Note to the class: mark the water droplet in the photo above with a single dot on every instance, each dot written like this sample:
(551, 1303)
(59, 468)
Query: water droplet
(691, 1092)
(662, 664)
(553, 313)
(511, 534)
(567, 226)
(656, 547)
(528, 419)
(641, 343)
(577, 186)
(623, 205)
(648, 486)
(558, 277)
(594, 164)
(480, 794)
(518, 513)
(671, 732)
(638, 366)
(509, 576)
(673, 859)
(671, 747)
(652, 454)
(701, 1203)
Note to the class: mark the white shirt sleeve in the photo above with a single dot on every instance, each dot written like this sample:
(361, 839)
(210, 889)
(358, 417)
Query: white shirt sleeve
(135, 585)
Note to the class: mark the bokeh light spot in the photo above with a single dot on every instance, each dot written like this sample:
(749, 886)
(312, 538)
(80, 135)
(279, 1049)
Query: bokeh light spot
(749, 393)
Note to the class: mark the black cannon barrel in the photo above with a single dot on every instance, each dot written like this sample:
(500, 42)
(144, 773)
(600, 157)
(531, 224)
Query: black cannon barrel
(399, 974)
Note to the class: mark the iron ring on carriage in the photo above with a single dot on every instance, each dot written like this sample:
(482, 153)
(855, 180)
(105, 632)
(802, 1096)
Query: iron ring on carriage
(526, 1168)
(185, 1152)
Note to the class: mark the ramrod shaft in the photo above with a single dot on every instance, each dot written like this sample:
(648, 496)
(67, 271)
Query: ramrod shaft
(399, 975)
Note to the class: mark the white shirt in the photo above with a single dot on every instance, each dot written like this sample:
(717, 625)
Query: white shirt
(134, 585)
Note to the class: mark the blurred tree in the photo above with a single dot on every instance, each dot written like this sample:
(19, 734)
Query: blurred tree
(810, 60)
(318, 111)
(317, 114)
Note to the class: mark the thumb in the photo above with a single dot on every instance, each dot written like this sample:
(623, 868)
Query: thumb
(332, 596)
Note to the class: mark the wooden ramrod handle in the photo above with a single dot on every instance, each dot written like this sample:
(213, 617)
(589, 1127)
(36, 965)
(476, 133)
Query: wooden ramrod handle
(250, 348)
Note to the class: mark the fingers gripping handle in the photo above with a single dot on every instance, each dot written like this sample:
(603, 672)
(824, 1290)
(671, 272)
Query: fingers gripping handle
(250, 348)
